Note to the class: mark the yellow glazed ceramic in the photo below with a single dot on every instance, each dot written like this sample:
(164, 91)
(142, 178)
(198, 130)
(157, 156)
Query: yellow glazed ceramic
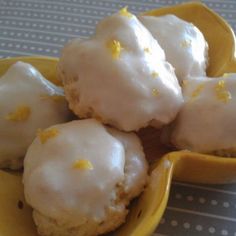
(146, 211)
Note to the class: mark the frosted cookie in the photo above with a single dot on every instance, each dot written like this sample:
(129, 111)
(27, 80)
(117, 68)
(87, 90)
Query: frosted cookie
(184, 44)
(120, 76)
(207, 121)
(27, 102)
(79, 178)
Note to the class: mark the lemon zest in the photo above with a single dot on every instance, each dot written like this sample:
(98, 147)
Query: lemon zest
(44, 135)
(83, 165)
(115, 48)
(21, 113)
(124, 12)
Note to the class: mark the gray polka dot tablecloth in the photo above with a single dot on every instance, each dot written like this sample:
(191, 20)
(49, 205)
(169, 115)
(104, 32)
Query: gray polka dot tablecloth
(42, 27)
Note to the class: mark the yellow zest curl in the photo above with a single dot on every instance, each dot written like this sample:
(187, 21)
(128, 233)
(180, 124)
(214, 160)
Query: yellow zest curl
(44, 135)
(115, 48)
(83, 165)
(155, 75)
(21, 113)
(197, 91)
(155, 92)
(124, 12)
(221, 93)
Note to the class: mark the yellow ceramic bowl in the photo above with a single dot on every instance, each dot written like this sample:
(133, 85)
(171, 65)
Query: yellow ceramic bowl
(147, 210)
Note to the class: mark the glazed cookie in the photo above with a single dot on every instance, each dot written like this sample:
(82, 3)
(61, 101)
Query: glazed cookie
(207, 120)
(27, 102)
(120, 76)
(79, 178)
(184, 44)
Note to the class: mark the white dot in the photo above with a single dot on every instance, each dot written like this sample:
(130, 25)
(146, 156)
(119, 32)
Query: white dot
(174, 223)
(202, 200)
(225, 204)
(212, 230)
(186, 225)
(3, 44)
(224, 232)
(47, 50)
(178, 196)
(214, 202)
(190, 198)
(199, 228)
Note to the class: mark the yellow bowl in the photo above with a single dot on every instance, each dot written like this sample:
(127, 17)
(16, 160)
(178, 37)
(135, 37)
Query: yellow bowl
(147, 210)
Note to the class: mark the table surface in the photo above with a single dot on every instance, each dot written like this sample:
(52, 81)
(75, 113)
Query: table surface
(42, 27)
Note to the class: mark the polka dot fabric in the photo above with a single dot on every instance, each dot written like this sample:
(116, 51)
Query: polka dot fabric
(42, 27)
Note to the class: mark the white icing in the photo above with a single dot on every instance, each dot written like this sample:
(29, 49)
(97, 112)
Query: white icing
(120, 91)
(206, 123)
(58, 191)
(183, 43)
(23, 85)
(135, 163)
